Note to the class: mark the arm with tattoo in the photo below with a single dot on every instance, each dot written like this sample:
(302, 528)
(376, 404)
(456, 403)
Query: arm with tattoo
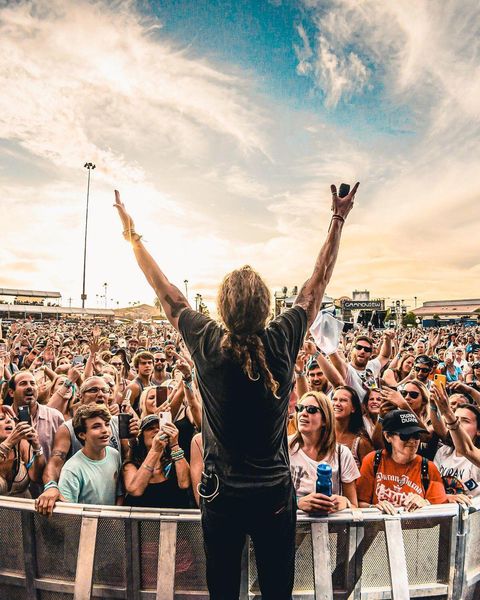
(311, 295)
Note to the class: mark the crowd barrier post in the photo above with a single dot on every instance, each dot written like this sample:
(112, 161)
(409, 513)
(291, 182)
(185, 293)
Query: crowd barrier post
(86, 558)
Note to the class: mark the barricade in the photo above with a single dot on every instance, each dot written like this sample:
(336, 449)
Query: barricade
(84, 552)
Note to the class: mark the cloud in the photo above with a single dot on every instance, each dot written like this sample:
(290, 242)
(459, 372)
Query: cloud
(100, 80)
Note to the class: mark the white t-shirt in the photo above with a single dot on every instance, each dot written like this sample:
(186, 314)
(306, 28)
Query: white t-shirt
(355, 379)
(304, 470)
(459, 468)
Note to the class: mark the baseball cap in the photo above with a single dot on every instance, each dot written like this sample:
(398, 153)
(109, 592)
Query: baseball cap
(402, 421)
(148, 421)
(424, 359)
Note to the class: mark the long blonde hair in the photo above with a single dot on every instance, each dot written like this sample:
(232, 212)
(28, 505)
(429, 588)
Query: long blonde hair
(244, 306)
(328, 439)
(142, 403)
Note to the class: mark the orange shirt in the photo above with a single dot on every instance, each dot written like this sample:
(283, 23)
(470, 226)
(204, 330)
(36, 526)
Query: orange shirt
(394, 481)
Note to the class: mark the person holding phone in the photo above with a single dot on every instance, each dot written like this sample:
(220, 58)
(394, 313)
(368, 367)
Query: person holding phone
(245, 367)
(21, 455)
(156, 473)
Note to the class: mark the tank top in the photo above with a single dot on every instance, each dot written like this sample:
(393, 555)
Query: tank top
(19, 486)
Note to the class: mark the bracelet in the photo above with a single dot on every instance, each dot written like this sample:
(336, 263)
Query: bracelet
(453, 426)
(300, 373)
(38, 452)
(131, 235)
(150, 469)
(339, 218)
(178, 457)
(188, 384)
(67, 383)
(174, 446)
(50, 484)
(434, 408)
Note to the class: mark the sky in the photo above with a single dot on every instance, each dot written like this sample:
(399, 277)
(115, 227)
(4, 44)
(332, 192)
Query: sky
(223, 124)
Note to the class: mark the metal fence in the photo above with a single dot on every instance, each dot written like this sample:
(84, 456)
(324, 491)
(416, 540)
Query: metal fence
(84, 552)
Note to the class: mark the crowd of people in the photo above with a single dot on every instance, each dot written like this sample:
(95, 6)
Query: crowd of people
(111, 413)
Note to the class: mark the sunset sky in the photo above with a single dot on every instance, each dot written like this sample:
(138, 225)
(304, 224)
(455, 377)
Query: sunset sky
(223, 124)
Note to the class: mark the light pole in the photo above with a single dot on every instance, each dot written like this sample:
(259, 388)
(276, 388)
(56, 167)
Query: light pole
(186, 288)
(89, 166)
(105, 287)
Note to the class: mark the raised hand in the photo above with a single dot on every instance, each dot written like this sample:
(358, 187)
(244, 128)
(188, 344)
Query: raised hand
(127, 221)
(342, 206)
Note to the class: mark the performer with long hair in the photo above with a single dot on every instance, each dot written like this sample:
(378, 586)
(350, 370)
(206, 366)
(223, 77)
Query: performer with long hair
(244, 370)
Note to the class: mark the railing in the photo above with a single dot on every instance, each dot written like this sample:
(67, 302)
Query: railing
(84, 552)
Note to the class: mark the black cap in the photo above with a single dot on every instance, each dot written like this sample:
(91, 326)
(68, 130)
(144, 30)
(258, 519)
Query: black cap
(402, 421)
(148, 421)
(424, 359)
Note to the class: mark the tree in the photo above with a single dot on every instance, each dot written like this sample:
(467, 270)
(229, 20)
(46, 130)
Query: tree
(409, 319)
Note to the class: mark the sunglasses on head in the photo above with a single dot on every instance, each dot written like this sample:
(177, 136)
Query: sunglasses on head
(311, 410)
(364, 348)
(422, 369)
(413, 395)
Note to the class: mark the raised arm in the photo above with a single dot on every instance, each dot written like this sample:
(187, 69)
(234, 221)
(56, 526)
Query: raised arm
(311, 294)
(171, 298)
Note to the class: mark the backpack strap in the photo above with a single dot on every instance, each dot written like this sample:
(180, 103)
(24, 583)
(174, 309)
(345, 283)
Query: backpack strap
(425, 474)
(376, 462)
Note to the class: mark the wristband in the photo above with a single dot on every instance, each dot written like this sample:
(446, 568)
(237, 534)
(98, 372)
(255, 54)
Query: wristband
(150, 469)
(50, 484)
(300, 373)
(188, 384)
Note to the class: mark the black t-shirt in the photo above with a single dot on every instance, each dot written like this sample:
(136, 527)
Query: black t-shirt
(244, 425)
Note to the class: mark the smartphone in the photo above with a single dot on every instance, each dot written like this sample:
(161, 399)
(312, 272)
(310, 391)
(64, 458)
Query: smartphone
(344, 190)
(162, 393)
(126, 401)
(164, 417)
(77, 360)
(24, 414)
(440, 380)
(124, 425)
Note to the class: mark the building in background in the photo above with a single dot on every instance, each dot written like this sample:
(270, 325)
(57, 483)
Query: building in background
(445, 312)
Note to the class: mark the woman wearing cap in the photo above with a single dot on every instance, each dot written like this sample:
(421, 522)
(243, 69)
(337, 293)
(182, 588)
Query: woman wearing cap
(156, 474)
(315, 442)
(398, 477)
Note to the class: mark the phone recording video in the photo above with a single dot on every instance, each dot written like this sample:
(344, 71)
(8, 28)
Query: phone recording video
(161, 395)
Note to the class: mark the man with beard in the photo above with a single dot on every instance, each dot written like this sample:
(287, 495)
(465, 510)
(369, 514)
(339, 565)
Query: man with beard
(170, 356)
(423, 368)
(23, 390)
(361, 372)
(159, 368)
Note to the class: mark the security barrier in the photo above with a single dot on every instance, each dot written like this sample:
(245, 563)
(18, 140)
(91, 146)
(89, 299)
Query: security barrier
(84, 552)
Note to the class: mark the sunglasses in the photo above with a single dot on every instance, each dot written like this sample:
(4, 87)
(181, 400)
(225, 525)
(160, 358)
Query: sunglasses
(408, 436)
(364, 348)
(116, 365)
(162, 360)
(422, 370)
(413, 395)
(95, 390)
(311, 410)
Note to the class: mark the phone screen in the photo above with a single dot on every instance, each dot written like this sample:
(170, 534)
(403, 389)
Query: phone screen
(162, 393)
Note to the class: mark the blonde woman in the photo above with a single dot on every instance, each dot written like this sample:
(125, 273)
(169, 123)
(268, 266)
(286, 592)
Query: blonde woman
(315, 442)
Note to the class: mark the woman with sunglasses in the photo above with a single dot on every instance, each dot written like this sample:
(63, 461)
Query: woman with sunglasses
(315, 442)
(397, 477)
(349, 426)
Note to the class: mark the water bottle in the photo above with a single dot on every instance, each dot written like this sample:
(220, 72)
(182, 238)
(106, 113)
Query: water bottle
(323, 484)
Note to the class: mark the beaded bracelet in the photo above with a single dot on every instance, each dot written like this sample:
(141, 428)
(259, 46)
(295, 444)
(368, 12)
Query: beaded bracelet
(148, 468)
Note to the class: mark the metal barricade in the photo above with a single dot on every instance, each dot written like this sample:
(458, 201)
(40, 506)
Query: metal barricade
(84, 552)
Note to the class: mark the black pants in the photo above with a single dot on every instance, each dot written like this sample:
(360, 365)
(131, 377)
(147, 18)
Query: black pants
(269, 517)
